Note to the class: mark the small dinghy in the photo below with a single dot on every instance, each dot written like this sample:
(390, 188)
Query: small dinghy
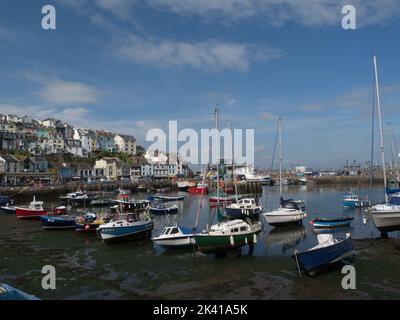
(332, 223)
(162, 209)
(9, 293)
(328, 251)
(57, 222)
(175, 237)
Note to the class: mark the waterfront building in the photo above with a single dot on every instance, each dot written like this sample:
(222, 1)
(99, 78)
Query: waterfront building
(112, 167)
(35, 164)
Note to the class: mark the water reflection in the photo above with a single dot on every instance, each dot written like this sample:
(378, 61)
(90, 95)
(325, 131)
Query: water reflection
(285, 237)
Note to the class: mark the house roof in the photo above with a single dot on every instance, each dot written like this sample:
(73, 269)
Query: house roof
(10, 158)
(127, 137)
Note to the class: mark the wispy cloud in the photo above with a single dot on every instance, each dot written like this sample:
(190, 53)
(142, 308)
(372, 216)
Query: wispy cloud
(268, 116)
(211, 55)
(278, 12)
(66, 92)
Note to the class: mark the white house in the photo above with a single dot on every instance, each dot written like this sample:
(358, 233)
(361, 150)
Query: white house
(112, 167)
(74, 147)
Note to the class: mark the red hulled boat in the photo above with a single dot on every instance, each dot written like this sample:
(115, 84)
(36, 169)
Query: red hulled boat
(201, 188)
(33, 211)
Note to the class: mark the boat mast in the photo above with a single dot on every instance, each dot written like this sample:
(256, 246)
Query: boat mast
(378, 100)
(280, 157)
(233, 163)
(218, 155)
(372, 134)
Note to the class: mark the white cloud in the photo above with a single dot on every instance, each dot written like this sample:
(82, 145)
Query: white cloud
(120, 8)
(279, 12)
(210, 55)
(65, 92)
(268, 116)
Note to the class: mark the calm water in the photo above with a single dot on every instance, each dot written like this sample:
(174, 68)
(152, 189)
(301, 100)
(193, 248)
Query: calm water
(89, 269)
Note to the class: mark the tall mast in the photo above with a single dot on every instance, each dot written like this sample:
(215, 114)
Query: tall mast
(218, 151)
(372, 135)
(378, 100)
(280, 156)
(233, 163)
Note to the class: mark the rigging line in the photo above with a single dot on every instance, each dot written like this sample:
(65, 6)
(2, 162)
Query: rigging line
(372, 133)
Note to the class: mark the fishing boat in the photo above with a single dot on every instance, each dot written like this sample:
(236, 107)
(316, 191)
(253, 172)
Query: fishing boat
(162, 209)
(332, 223)
(351, 200)
(76, 198)
(201, 188)
(168, 198)
(88, 223)
(184, 185)
(175, 237)
(8, 209)
(328, 251)
(131, 204)
(33, 211)
(57, 222)
(130, 228)
(8, 292)
(100, 202)
(224, 236)
(386, 216)
(289, 212)
(244, 208)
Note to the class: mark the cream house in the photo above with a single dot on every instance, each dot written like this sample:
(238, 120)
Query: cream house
(112, 167)
(125, 144)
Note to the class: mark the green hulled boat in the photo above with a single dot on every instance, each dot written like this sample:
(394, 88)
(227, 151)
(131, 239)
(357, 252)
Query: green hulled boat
(224, 236)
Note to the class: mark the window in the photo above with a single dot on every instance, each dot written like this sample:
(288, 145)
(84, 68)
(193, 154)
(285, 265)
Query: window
(174, 231)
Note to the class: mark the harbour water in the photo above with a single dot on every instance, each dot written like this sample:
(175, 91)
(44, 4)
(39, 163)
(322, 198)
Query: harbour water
(89, 269)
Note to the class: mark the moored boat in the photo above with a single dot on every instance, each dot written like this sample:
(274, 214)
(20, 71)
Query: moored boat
(4, 200)
(332, 223)
(244, 208)
(33, 211)
(162, 209)
(8, 292)
(168, 198)
(130, 228)
(175, 237)
(88, 223)
(201, 188)
(289, 214)
(131, 204)
(8, 209)
(328, 251)
(224, 236)
(57, 222)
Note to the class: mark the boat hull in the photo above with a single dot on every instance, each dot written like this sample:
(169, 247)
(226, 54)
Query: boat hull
(332, 224)
(165, 211)
(315, 261)
(7, 210)
(237, 213)
(386, 221)
(214, 243)
(185, 241)
(195, 190)
(119, 233)
(284, 219)
(57, 223)
(24, 213)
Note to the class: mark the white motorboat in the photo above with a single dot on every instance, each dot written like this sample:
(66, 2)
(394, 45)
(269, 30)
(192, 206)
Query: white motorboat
(244, 208)
(175, 237)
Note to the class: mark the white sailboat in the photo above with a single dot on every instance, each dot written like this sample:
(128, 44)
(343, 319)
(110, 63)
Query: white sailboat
(289, 212)
(386, 216)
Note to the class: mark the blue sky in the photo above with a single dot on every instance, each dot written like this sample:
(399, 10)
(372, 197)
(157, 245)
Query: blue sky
(129, 66)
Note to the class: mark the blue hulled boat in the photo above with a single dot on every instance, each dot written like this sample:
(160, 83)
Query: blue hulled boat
(62, 222)
(332, 223)
(162, 209)
(327, 252)
(129, 228)
(351, 200)
(9, 293)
